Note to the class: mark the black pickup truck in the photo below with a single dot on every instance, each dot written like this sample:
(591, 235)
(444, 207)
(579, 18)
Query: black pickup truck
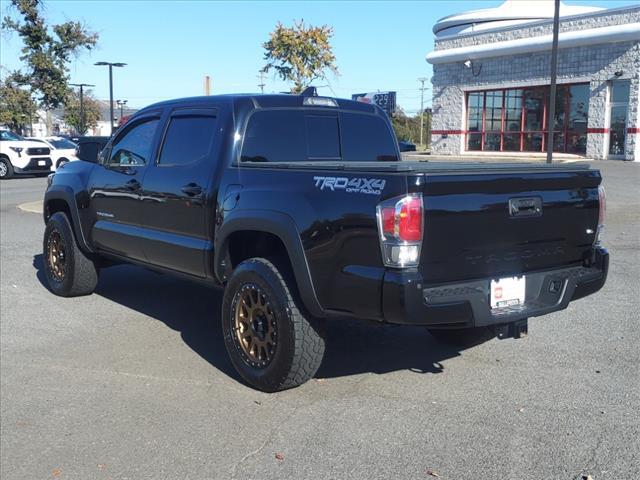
(301, 207)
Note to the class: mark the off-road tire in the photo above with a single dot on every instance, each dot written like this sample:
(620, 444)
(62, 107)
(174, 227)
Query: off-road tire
(463, 337)
(300, 343)
(5, 167)
(81, 274)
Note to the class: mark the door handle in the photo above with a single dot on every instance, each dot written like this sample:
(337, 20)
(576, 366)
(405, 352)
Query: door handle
(192, 189)
(132, 185)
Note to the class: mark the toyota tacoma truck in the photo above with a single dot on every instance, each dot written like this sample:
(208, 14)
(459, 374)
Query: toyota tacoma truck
(301, 208)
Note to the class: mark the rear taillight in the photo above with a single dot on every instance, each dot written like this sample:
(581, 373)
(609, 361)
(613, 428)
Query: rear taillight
(602, 210)
(400, 223)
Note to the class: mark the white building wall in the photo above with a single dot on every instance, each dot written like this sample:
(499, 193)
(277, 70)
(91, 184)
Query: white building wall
(593, 64)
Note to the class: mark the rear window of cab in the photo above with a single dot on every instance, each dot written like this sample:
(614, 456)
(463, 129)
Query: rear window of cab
(317, 135)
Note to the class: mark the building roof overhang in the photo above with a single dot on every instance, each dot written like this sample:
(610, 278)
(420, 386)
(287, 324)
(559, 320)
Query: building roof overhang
(592, 36)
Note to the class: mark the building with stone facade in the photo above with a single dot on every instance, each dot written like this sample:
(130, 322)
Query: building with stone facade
(491, 76)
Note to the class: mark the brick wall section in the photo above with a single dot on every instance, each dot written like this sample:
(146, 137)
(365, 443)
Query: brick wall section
(594, 64)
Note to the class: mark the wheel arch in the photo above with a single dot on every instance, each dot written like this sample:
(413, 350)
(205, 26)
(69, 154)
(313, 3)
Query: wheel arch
(61, 199)
(276, 230)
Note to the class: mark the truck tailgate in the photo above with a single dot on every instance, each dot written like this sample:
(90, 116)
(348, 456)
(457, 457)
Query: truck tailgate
(496, 224)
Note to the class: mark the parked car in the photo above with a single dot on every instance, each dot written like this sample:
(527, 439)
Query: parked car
(88, 148)
(300, 208)
(63, 150)
(406, 146)
(19, 156)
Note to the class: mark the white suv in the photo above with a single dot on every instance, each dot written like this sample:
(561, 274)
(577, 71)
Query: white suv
(62, 150)
(18, 155)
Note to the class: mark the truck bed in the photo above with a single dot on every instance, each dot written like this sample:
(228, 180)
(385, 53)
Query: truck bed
(423, 167)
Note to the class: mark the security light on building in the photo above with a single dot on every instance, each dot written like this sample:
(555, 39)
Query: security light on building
(491, 75)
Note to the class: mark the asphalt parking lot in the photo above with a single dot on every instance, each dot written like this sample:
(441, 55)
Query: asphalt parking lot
(133, 382)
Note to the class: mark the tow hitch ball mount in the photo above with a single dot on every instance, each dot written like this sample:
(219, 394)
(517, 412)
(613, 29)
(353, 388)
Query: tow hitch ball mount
(517, 329)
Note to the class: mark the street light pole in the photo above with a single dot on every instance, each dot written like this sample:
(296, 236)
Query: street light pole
(422, 80)
(121, 104)
(110, 65)
(552, 89)
(82, 122)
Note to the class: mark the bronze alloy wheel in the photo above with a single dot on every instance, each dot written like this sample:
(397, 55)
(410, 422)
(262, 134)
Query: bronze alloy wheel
(254, 326)
(56, 256)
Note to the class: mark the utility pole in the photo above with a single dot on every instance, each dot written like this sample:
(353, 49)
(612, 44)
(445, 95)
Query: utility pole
(261, 84)
(552, 90)
(422, 89)
(207, 85)
(81, 85)
(110, 65)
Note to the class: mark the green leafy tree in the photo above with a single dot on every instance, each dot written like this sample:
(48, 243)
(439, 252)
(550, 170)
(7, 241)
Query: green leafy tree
(17, 108)
(47, 51)
(300, 54)
(72, 112)
(408, 127)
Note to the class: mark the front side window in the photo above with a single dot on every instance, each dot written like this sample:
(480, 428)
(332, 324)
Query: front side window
(188, 140)
(133, 147)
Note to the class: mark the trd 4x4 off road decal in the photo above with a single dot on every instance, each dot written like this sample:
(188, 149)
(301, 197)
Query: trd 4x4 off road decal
(373, 186)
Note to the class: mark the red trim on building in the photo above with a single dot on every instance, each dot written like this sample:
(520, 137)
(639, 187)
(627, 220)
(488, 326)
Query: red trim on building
(633, 130)
(597, 130)
(449, 132)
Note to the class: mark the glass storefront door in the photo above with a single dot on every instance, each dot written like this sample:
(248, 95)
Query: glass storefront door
(618, 107)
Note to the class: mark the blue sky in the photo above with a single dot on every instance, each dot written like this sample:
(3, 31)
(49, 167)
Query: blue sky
(170, 45)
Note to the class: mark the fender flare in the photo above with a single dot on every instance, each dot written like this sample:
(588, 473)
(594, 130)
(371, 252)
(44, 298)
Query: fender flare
(66, 194)
(283, 227)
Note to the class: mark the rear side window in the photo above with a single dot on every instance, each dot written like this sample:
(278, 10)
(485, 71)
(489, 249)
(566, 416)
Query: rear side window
(366, 138)
(188, 140)
(303, 135)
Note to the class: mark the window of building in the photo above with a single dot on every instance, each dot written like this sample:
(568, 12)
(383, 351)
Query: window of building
(474, 123)
(618, 107)
(188, 139)
(514, 120)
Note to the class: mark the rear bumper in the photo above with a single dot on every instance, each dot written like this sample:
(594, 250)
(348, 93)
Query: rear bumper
(405, 300)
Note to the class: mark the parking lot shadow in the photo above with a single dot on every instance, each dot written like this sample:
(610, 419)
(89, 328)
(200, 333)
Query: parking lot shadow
(353, 346)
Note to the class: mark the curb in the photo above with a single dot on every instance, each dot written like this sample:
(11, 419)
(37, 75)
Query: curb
(32, 207)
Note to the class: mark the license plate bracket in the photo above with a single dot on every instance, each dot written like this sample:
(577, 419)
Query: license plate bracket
(507, 292)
